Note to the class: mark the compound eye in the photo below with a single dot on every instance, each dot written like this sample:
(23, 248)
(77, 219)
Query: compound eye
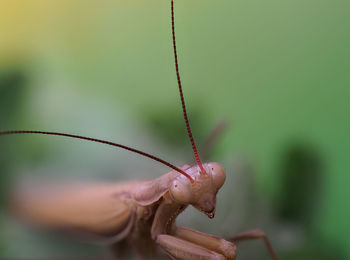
(218, 174)
(181, 191)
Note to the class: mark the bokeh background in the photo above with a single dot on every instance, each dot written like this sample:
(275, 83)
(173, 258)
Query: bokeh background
(277, 72)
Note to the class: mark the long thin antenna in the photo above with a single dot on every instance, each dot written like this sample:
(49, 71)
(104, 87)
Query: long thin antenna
(103, 142)
(181, 92)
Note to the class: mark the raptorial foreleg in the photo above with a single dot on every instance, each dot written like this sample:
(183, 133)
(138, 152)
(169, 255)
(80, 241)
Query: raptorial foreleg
(188, 244)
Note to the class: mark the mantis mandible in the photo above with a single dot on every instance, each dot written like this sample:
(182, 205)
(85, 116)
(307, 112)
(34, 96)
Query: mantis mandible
(141, 213)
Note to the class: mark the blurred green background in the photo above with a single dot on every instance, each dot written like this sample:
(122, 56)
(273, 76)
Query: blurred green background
(276, 71)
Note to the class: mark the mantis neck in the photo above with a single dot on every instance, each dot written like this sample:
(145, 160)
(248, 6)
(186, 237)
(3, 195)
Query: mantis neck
(165, 216)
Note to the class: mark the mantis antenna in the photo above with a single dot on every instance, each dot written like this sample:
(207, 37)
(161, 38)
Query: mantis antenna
(181, 92)
(103, 142)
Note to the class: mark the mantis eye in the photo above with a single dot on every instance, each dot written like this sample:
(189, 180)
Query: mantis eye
(181, 191)
(218, 174)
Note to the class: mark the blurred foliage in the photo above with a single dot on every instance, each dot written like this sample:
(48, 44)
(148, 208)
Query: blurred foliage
(12, 88)
(301, 187)
(170, 125)
(302, 177)
(12, 81)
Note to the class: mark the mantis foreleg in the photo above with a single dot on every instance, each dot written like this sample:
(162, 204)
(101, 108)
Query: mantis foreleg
(188, 244)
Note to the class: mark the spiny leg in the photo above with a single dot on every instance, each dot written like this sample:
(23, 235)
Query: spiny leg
(255, 234)
(188, 244)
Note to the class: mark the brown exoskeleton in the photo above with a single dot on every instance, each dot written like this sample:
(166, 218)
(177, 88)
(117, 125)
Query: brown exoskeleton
(141, 214)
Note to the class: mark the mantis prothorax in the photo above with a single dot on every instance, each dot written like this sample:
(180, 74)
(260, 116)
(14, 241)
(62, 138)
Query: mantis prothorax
(141, 213)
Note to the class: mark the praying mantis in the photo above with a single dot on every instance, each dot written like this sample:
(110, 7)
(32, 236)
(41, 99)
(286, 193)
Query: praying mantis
(141, 214)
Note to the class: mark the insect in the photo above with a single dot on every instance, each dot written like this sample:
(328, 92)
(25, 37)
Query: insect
(141, 214)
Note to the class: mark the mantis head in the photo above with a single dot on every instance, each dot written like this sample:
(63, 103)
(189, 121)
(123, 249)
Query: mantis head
(201, 193)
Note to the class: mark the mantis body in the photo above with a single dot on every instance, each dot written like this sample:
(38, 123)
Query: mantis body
(139, 212)
(142, 214)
